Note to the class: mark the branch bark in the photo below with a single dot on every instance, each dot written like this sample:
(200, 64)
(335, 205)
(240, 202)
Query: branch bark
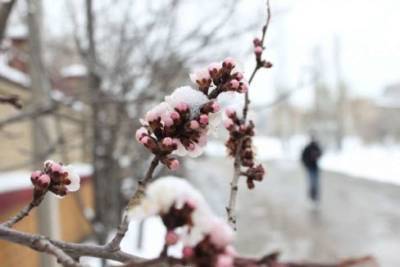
(237, 161)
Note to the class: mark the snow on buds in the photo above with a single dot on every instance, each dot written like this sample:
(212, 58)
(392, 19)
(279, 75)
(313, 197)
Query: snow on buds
(179, 125)
(219, 78)
(207, 240)
(240, 138)
(56, 178)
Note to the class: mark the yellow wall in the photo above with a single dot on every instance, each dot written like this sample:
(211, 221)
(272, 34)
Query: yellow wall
(73, 228)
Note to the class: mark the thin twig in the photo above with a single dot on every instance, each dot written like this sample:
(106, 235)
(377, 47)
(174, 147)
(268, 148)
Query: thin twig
(114, 244)
(24, 212)
(237, 160)
(12, 100)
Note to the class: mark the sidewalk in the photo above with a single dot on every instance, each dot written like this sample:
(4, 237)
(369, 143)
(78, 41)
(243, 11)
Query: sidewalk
(356, 217)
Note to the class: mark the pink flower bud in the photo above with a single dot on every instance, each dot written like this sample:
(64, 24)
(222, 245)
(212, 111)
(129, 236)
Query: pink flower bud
(230, 250)
(167, 141)
(258, 50)
(187, 252)
(140, 133)
(234, 84)
(171, 238)
(191, 203)
(228, 123)
(224, 261)
(55, 167)
(175, 115)
(144, 140)
(168, 122)
(229, 63)
(191, 147)
(214, 67)
(182, 107)
(35, 175)
(173, 165)
(239, 76)
(215, 106)
(44, 180)
(230, 112)
(203, 119)
(244, 87)
(194, 124)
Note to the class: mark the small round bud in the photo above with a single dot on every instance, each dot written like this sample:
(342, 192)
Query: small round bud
(182, 107)
(234, 84)
(187, 252)
(167, 141)
(215, 106)
(258, 50)
(173, 165)
(203, 119)
(171, 238)
(175, 115)
(194, 124)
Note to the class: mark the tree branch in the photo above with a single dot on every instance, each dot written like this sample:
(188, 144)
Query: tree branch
(12, 100)
(237, 160)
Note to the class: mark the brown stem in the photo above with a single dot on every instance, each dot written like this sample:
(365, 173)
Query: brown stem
(24, 212)
(114, 244)
(237, 161)
(12, 100)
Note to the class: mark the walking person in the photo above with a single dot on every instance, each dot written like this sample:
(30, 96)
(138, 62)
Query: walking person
(310, 156)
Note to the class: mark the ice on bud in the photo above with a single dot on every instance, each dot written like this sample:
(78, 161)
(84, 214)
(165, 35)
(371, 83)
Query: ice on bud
(74, 179)
(187, 252)
(171, 238)
(191, 147)
(200, 76)
(203, 119)
(194, 124)
(151, 116)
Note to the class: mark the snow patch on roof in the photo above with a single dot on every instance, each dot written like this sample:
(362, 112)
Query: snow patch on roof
(12, 74)
(75, 70)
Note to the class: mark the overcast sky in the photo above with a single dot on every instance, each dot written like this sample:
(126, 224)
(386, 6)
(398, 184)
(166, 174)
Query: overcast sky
(367, 31)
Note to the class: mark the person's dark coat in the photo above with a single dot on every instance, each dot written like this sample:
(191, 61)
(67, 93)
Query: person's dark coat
(311, 153)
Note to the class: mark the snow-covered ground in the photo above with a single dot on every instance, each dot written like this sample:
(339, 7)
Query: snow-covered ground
(375, 162)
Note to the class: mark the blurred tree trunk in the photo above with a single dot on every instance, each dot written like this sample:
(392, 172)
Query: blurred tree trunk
(47, 212)
(105, 174)
(5, 11)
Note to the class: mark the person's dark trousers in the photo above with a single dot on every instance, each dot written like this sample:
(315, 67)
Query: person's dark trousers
(313, 175)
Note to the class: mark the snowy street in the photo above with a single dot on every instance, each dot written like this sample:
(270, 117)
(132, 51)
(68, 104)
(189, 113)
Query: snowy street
(356, 217)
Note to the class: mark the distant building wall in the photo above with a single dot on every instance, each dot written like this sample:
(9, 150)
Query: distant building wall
(74, 227)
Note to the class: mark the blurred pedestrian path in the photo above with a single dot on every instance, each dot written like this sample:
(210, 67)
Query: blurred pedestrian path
(356, 216)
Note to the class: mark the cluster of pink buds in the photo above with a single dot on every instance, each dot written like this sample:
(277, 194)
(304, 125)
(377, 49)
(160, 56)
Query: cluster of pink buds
(219, 78)
(178, 126)
(206, 239)
(55, 178)
(258, 50)
(240, 136)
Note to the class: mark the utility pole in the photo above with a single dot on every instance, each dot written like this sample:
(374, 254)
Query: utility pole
(48, 223)
(341, 98)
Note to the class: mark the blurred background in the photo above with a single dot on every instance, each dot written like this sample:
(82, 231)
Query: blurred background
(86, 71)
